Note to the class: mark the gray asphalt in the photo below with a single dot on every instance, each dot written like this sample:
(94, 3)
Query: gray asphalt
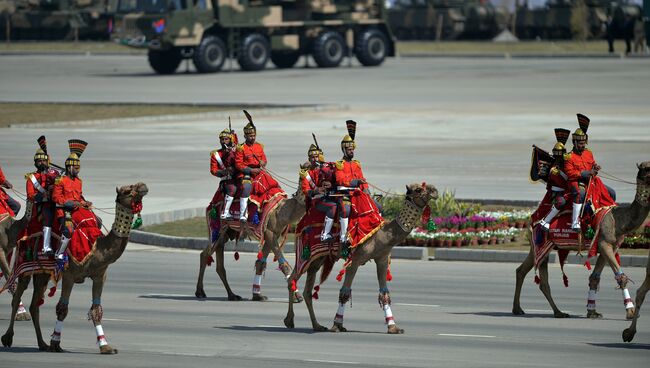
(454, 313)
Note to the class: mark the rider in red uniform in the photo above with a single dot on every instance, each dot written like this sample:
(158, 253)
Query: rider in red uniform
(222, 165)
(557, 184)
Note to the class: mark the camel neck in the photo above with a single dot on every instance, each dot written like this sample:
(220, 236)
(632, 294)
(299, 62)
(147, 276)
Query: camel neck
(630, 218)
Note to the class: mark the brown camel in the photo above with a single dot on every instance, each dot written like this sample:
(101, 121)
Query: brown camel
(107, 250)
(288, 211)
(9, 231)
(614, 226)
(628, 333)
(378, 248)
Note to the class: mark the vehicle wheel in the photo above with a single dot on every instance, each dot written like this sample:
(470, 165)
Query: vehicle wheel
(285, 59)
(165, 62)
(255, 52)
(371, 47)
(329, 50)
(210, 55)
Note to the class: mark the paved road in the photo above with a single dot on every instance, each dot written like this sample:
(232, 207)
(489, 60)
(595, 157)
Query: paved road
(454, 313)
(458, 123)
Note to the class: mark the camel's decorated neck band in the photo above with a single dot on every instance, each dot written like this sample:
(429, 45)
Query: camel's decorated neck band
(409, 216)
(123, 220)
(642, 194)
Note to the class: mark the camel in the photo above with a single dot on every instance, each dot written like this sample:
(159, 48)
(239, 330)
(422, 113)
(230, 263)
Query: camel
(288, 211)
(9, 231)
(614, 226)
(106, 251)
(378, 248)
(628, 333)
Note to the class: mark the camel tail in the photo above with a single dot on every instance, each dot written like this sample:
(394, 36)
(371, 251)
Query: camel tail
(327, 269)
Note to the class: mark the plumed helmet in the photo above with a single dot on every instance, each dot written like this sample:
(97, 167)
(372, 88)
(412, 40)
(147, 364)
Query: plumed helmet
(250, 127)
(561, 135)
(581, 133)
(348, 140)
(41, 153)
(77, 148)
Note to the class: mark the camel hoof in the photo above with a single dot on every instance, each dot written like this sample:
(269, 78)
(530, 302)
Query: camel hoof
(394, 330)
(338, 327)
(559, 314)
(55, 347)
(7, 340)
(107, 349)
(593, 314)
(628, 335)
(259, 298)
(234, 298)
(297, 297)
(320, 328)
(288, 322)
(517, 311)
(629, 313)
(200, 294)
(23, 317)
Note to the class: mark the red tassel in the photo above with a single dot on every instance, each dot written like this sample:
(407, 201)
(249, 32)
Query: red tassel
(339, 277)
(41, 302)
(588, 265)
(260, 255)
(389, 276)
(315, 294)
(537, 280)
(52, 291)
(294, 287)
(209, 260)
(565, 279)
(236, 256)
(618, 258)
(1, 274)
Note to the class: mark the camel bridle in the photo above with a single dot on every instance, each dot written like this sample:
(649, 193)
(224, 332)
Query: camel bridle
(124, 216)
(410, 214)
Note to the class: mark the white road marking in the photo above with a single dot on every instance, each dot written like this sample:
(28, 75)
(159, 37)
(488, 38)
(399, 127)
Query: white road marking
(117, 319)
(545, 311)
(269, 326)
(460, 335)
(419, 305)
(329, 361)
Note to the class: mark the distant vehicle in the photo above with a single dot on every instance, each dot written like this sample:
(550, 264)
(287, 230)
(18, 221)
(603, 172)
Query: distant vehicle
(210, 31)
(54, 19)
(449, 19)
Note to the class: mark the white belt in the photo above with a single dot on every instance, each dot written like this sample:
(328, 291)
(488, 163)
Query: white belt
(340, 187)
(218, 158)
(557, 189)
(37, 185)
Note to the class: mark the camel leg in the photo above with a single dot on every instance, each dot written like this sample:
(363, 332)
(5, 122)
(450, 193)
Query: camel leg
(384, 296)
(22, 314)
(546, 289)
(203, 263)
(606, 249)
(628, 333)
(260, 266)
(40, 284)
(8, 338)
(96, 312)
(345, 294)
(221, 268)
(289, 319)
(284, 266)
(594, 284)
(61, 312)
(521, 273)
(309, 286)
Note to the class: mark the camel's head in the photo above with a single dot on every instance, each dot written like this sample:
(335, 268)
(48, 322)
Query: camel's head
(421, 194)
(130, 196)
(644, 173)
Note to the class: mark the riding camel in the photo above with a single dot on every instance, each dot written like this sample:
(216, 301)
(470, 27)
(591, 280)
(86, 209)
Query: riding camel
(107, 250)
(378, 248)
(615, 224)
(628, 333)
(9, 230)
(288, 211)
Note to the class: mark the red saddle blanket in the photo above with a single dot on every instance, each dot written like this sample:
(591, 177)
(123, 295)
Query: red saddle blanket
(256, 221)
(5, 210)
(23, 261)
(365, 219)
(308, 244)
(87, 230)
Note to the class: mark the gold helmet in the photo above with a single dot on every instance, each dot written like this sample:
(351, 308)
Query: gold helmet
(41, 153)
(562, 135)
(315, 150)
(348, 140)
(250, 127)
(77, 148)
(581, 133)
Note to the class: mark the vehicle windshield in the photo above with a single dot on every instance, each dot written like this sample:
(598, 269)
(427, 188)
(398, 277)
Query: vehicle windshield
(150, 6)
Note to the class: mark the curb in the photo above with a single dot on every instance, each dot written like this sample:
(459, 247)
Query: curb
(507, 55)
(267, 111)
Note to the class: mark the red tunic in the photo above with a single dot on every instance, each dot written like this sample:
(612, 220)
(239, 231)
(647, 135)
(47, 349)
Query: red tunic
(346, 171)
(2, 176)
(575, 164)
(45, 182)
(3, 195)
(221, 159)
(249, 156)
(66, 189)
(309, 180)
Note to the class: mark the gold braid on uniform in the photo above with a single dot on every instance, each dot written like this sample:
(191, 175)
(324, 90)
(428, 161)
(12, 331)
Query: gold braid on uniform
(123, 220)
(642, 193)
(409, 216)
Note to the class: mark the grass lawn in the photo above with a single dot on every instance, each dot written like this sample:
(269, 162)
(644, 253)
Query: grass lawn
(21, 113)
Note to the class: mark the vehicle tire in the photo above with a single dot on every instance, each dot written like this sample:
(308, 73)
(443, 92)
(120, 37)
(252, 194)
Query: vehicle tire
(254, 53)
(371, 47)
(165, 61)
(210, 55)
(284, 59)
(329, 50)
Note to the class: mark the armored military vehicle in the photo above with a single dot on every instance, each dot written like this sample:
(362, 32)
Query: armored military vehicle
(449, 19)
(210, 31)
(54, 19)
